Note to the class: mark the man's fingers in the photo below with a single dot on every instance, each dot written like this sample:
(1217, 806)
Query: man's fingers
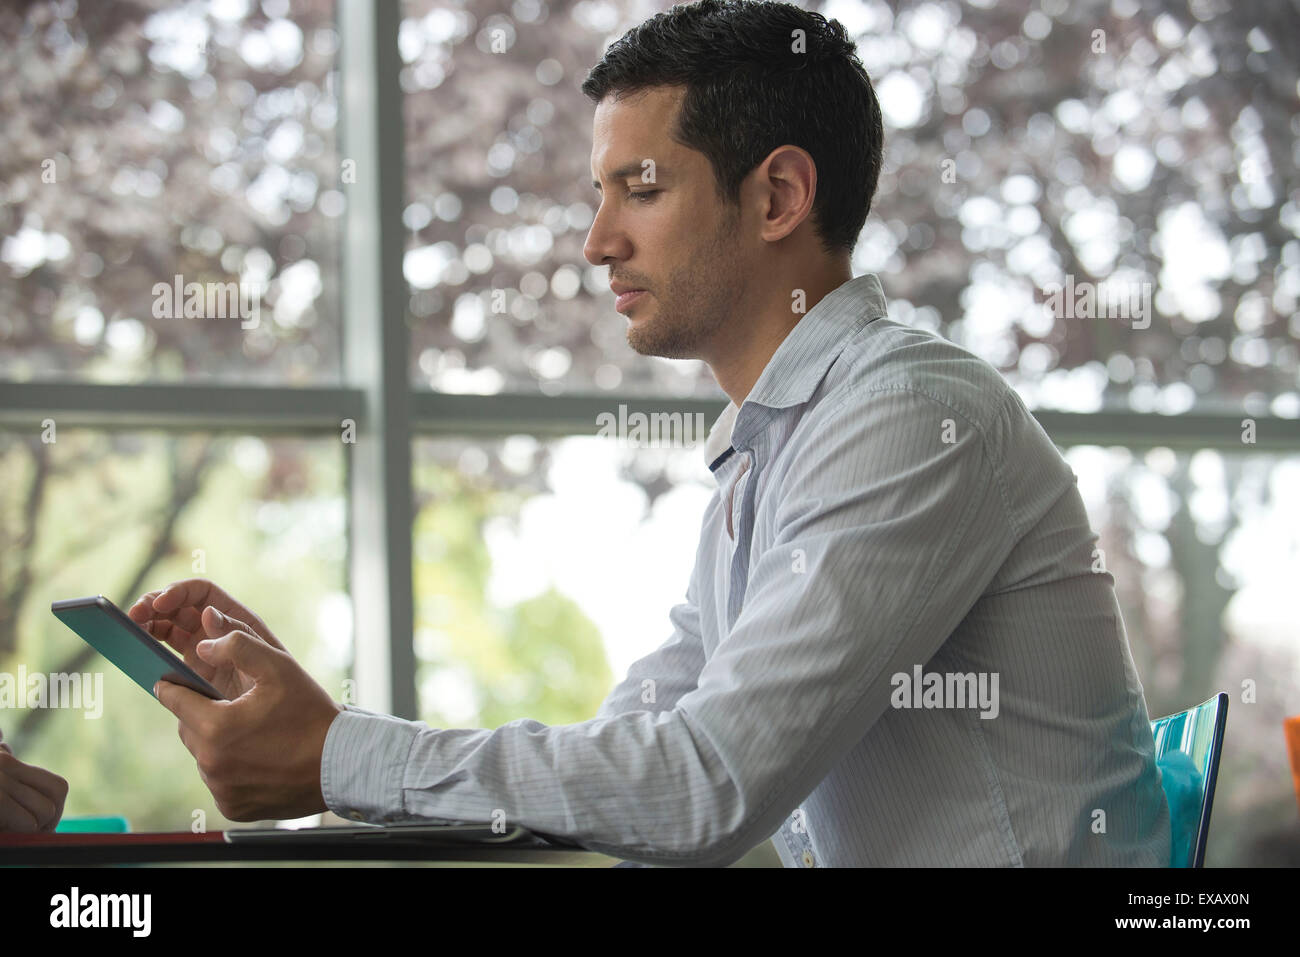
(194, 594)
(245, 652)
(169, 634)
(142, 610)
(217, 623)
(187, 617)
(15, 817)
(47, 782)
(191, 592)
(177, 624)
(189, 706)
(144, 613)
(55, 789)
(34, 789)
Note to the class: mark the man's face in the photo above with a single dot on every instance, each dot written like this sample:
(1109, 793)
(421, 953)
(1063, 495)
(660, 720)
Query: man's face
(671, 236)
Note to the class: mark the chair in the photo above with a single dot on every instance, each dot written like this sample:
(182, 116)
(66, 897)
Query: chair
(1188, 745)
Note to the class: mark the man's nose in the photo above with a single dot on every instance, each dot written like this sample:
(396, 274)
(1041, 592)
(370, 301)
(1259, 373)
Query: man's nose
(604, 240)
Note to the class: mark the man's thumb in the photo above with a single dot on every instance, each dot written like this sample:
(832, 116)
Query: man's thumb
(245, 652)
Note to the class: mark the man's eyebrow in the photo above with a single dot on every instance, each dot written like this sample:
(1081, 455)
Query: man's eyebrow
(633, 168)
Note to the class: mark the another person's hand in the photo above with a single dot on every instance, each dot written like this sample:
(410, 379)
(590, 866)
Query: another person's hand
(259, 754)
(31, 798)
(189, 611)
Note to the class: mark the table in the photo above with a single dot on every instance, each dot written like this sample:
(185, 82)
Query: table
(65, 850)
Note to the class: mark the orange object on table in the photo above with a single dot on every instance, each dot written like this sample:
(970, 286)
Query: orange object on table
(1291, 726)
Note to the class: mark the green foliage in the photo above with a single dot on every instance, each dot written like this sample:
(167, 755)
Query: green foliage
(268, 519)
(542, 658)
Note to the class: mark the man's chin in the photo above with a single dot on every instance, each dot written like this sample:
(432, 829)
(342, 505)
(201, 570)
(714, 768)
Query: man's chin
(651, 346)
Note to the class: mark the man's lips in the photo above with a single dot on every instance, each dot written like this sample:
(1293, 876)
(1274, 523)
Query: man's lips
(626, 299)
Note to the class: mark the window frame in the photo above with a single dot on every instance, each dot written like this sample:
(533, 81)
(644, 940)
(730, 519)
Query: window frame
(389, 414)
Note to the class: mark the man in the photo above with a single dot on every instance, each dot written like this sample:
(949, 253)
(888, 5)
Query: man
(894, 648)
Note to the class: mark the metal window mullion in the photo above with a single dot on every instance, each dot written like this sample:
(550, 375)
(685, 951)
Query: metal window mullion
(1221, 431)
(177, 407)
(375, 348)
(436, 413)
(272, 409)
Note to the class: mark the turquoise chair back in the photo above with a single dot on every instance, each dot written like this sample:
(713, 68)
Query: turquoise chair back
(1188, 745)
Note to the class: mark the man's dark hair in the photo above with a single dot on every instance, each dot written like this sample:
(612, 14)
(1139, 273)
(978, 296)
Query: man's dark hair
(750, 89)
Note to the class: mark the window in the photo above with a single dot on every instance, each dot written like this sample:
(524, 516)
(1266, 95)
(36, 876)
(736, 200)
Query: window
(173, 193)
(121, 513)
(499, 202)
(1204, 548)
(544, 569)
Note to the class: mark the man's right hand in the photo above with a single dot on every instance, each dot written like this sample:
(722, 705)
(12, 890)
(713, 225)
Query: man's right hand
(31, 798)
(189, 611)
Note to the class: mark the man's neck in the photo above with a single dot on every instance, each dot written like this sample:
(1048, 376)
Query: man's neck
(743, 353)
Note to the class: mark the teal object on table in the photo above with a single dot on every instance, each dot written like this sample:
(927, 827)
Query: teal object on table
(93, 825)
(1188, 745)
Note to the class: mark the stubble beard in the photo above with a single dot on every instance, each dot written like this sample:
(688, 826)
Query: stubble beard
(697, 300)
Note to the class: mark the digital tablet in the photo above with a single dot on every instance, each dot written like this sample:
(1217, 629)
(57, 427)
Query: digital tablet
(143, 658)
(419, 832)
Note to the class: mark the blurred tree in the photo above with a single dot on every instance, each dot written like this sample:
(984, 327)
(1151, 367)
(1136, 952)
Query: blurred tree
(113, 514)
(541, 658)
(145, 140)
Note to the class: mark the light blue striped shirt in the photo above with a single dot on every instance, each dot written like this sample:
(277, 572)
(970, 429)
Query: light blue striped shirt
(898, 647)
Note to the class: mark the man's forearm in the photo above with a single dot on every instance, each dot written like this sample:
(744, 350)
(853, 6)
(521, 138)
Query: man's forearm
(636, 785)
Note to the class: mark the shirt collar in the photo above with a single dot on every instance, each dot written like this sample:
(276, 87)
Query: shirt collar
(801, 360)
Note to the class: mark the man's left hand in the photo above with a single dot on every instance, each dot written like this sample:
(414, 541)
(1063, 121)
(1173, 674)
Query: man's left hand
(260, 754)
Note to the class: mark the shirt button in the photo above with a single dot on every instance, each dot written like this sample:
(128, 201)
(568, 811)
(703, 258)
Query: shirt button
(808, 859)
(355, 815)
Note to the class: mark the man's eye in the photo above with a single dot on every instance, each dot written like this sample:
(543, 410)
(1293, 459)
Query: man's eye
(642, 195)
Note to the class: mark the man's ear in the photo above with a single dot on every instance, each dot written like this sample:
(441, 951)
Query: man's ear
(786, 182)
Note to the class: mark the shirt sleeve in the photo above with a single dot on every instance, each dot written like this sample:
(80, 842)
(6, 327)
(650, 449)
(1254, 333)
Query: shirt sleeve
(888, 529)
